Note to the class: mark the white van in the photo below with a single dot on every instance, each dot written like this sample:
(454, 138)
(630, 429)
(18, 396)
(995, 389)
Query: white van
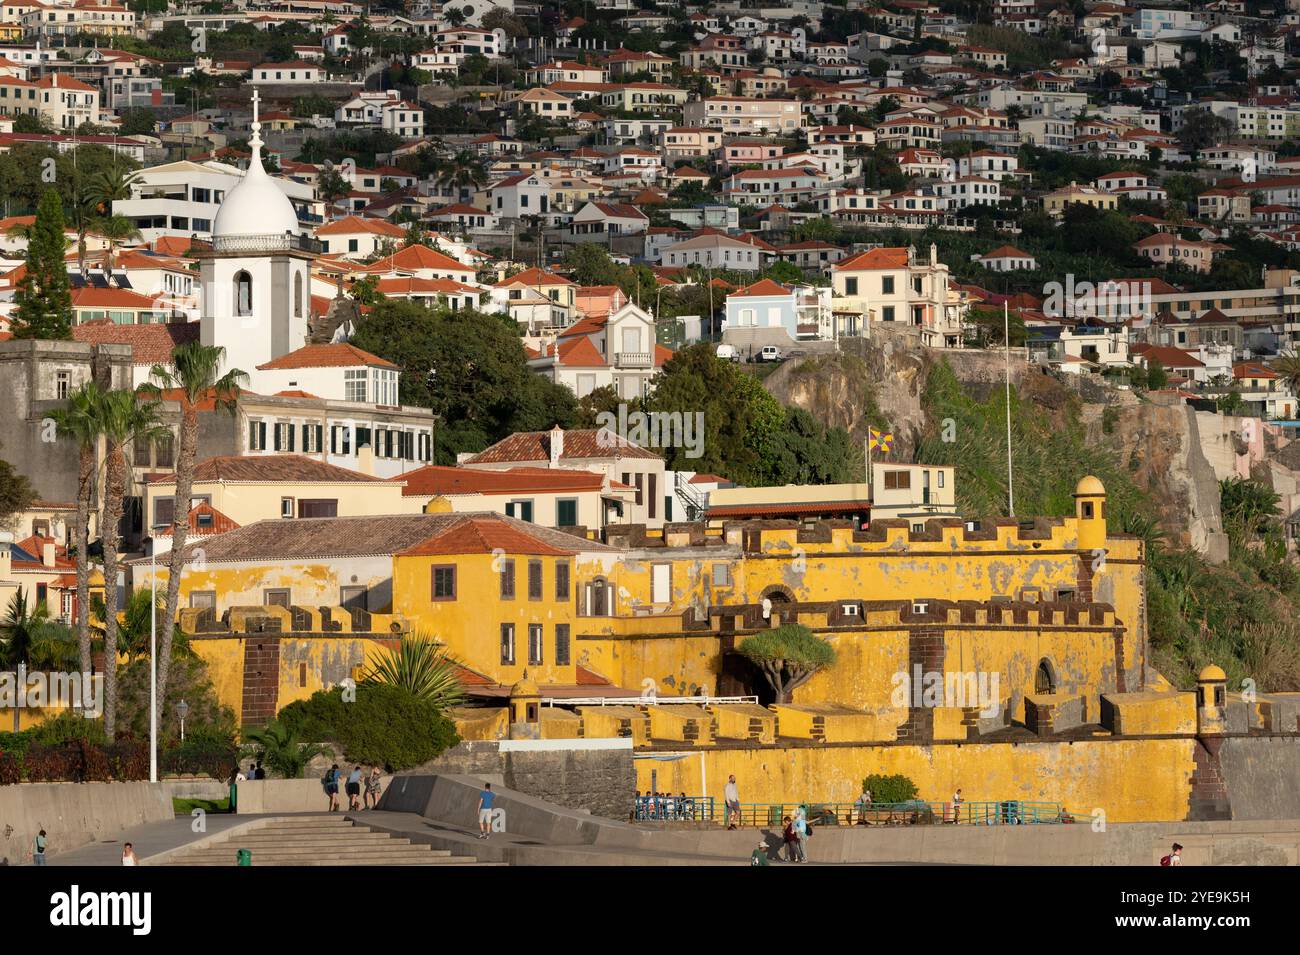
(770, 353)
(728, 353)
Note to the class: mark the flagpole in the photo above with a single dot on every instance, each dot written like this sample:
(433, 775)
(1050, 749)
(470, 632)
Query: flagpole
(1006, 334)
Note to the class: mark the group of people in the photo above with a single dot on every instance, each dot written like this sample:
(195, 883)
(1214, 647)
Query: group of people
(353, 785)
(656, 805)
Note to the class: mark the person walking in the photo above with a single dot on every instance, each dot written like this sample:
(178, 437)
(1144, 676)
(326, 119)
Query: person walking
(1175, 856)
(485, 800)
(236, 778)
(800, 836)
(956, 807)
(38, 848)
(788, 840)
(331, 784)
(354, 789)
(129, 856)
(731, 796)
(372, 788)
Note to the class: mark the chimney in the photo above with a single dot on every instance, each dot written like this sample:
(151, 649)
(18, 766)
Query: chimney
(47, 553)
(366, 459)
(6, 555)
(557, 445)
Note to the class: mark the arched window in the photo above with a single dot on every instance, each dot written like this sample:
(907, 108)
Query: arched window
(1044, 679)
(598, 606)
(297, 295)
(243, 293)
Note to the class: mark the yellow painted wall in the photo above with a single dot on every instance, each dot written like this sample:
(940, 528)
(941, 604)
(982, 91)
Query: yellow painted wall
(1130, 780)
(470, 624)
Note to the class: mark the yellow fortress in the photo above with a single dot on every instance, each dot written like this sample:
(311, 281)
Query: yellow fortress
(1005, 657)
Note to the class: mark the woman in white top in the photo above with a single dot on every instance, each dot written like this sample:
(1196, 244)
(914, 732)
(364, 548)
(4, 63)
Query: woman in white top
(128, 855)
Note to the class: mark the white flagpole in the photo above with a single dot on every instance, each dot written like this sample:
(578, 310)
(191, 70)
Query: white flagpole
(1006, 333)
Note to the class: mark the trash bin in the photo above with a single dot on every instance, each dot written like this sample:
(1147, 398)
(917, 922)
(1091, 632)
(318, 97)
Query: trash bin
(244, 857)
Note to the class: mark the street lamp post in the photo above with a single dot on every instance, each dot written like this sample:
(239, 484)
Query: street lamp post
(182, 709)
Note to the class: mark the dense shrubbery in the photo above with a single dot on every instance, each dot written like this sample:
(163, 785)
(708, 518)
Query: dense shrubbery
(71, 748)
(385, 725)
(889, 789)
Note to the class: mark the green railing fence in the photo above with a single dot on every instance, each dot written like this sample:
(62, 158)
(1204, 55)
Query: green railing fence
(912, 813)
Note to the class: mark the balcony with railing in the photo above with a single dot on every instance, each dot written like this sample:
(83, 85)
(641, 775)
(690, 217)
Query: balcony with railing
(633, 359)
(255, 244)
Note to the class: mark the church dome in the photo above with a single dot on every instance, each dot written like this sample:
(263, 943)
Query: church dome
(256, 205)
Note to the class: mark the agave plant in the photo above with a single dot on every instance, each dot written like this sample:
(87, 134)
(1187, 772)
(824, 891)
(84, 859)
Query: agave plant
(422, 666)
(278, 749)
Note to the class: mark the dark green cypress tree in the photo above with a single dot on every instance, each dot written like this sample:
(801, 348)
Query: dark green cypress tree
(43, 299)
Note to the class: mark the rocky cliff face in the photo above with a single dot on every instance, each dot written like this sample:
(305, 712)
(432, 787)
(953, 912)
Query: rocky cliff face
(1159, 441)
(1155, 438)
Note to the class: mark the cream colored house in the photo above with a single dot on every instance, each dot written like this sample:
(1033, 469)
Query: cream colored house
(245, 490)
(560, 498)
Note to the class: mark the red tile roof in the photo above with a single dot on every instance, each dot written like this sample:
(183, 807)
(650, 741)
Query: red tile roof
(150, 344)
(269, 467)
(536, 446)
(486, 534)
(882, 258)
(437, 479)
(334, 355)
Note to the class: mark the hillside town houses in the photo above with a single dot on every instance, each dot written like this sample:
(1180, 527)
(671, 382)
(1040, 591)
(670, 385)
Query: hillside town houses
(1113, 196)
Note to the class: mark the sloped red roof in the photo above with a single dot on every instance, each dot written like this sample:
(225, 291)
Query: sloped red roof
(150, 344)
(333, 355)
(536, 446)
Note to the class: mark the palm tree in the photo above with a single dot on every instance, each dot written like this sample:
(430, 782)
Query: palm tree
(116, 230)
(79, 421)
(125, 419)
(107, 187)
(196, 374)
(1288, 366)
(32, 639)
(135, 628)
(421, 665)
(279, 749)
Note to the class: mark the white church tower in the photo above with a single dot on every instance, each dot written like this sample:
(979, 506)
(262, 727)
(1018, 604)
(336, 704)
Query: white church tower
(255, 273)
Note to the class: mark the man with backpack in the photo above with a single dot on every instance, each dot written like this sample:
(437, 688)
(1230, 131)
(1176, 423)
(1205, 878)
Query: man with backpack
(331, 784)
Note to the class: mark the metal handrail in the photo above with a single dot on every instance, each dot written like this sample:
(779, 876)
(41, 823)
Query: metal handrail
(666, 807)
(644, 700)
(911, 813)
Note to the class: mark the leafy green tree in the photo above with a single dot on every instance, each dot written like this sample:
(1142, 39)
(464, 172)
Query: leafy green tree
(1157, 377)
(385, 725)
(138, 121)
(43, 300)
(16, 492)
(470, 368)
(788, 656)
(889, 790)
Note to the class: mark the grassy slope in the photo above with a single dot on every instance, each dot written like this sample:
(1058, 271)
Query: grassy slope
(1239, 615)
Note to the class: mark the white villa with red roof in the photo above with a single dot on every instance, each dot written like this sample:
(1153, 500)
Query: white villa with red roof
(618, 350)
(597, 450)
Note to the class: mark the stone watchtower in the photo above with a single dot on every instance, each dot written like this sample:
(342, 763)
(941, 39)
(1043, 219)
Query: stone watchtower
(525, 710)
(1209, 796)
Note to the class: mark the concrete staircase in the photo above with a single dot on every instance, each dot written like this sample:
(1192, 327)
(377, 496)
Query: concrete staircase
(332, 840)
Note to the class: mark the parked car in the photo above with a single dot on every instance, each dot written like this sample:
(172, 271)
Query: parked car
(770, 353)
(728, 353)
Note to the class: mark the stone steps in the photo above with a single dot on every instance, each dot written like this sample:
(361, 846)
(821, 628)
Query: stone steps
(317, 841)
